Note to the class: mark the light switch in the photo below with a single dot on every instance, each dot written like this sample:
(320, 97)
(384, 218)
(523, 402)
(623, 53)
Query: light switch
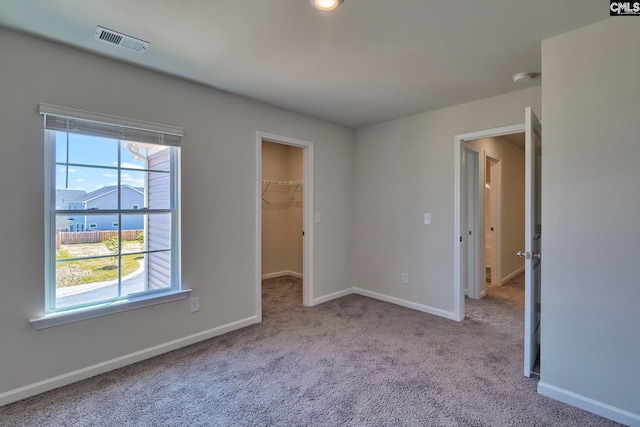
(427, 218)
(316, 217)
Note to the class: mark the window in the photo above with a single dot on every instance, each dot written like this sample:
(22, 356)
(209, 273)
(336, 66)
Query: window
(109, 164)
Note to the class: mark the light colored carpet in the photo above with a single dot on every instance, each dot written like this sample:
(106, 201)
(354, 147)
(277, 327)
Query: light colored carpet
(353, 361)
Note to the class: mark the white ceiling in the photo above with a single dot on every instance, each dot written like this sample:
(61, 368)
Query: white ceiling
(365, 62)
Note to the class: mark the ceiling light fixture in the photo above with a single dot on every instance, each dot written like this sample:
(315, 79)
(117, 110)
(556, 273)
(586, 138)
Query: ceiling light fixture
(325, 4)
(522, 77)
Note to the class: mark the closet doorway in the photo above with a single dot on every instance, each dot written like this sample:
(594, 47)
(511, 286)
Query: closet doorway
(284, 205)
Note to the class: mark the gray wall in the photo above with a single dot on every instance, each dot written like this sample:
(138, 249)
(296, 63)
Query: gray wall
(590, 208)
(404, 168)
(219, 201)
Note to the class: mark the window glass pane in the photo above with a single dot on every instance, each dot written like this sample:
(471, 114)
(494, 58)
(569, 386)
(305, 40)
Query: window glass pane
(74, 237)
(159, 190)
(60, 142)
(87, 186)
(159, 158)
(158, 235)
(133, 236)
(133, 188)
(134, 279)
(85, 281)
(86, 150)
(159, 270)
(133, 154)
(80, 222)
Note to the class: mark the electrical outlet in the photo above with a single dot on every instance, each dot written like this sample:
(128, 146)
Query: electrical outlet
(405, 278)
(194, 304)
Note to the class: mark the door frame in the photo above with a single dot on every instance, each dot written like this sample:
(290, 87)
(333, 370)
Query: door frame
(496, 216)
(460, 206)
(307, 215)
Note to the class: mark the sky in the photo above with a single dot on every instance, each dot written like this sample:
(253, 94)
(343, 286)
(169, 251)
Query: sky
(100, 155)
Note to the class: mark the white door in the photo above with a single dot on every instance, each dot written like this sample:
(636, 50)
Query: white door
(532, 239)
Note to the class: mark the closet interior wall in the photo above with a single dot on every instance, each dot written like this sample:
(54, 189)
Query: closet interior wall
(282, 210)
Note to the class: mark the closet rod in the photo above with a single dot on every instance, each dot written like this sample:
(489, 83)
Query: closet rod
(294, 182)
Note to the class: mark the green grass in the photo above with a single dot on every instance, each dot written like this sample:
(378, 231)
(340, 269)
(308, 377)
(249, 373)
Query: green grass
(62, 253)
(94, 270)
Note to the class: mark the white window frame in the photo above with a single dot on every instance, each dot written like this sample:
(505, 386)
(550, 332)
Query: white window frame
(52, 316)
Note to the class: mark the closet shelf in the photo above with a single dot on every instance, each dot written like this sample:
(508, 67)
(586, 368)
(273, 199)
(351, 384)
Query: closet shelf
(271, 181)
(282, 194)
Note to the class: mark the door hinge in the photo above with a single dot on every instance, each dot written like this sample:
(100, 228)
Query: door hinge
(302, 232)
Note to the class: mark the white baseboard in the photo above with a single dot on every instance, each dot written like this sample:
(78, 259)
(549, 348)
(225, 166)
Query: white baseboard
(512, 275)
(424, 308)
(386, 298)
(281, 274)
(119, 362)
(604, 410)
(334, 295)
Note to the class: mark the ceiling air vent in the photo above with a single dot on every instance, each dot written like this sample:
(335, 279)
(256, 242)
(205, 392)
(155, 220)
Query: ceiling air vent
(122, 40)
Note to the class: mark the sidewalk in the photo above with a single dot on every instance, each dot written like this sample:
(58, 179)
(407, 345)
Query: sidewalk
(74, 290)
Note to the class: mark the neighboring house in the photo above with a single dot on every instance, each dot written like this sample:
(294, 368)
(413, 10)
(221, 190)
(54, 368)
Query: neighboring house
(106, 198)
(63, 199)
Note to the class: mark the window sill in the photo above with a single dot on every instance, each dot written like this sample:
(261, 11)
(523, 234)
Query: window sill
(64, 317)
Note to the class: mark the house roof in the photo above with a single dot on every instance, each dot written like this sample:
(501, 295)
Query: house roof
(100, 192)
(64, 197)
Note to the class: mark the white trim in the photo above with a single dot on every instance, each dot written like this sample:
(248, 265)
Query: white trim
(109, 365)
(307, 216)
(282, 274)
(334, 295)
(458, 291)
(594, 406)
(512, 275)
(74, 113)
(63, 317)
(258, 226)
(404, 303)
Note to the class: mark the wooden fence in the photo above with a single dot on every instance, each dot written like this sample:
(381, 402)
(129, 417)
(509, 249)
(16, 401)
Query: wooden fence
(72, 238)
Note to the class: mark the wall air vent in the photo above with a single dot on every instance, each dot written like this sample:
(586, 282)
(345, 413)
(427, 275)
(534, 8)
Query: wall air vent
(122, 40)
